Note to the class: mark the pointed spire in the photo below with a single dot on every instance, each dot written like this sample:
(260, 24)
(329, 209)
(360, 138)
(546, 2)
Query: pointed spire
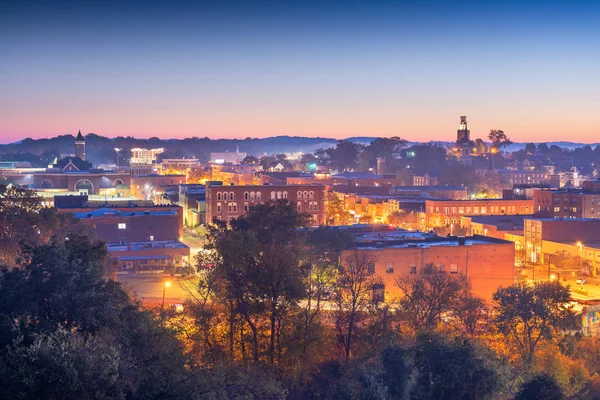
(79, 137)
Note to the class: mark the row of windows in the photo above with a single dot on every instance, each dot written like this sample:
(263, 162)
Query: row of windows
(479, 210)
(233, 207)
(225, 196)
(389, 269)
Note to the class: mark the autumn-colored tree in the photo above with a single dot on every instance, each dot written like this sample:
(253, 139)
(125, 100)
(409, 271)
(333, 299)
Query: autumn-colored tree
(354, 284)
(527, 314)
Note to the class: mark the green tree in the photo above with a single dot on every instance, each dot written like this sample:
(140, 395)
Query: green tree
(526, 314)
(541, 387)
(336, 213)
(62, 286)
(451, 370)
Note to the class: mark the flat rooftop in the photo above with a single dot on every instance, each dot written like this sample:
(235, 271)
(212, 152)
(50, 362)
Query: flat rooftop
(108, 212)
(144, 246)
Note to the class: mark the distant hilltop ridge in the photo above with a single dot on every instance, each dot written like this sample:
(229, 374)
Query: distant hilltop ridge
(101, 149)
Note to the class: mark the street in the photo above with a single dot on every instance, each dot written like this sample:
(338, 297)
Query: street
(149, 288)
(588, 291)
(196, 244)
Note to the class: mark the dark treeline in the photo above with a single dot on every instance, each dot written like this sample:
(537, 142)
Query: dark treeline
(276, 312)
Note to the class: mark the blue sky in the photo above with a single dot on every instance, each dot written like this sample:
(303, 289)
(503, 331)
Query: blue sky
(314, 68)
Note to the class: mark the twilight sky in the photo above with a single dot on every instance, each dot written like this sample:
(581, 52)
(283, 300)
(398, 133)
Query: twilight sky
(224, 68)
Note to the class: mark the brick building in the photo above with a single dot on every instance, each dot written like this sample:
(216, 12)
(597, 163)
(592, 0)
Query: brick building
(134, 225)
(433, 192)
(545, 237)
(228, 202)
(487, 262)
(441, 213)
(94, 181)
(496, 226)
(568, 203)
(139, 239)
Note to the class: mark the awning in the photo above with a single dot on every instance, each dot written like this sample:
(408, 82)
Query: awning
(132, 258)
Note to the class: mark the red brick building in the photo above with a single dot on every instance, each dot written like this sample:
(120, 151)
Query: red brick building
(487, 262)
(139, 239)
(568, 203)
(441, 213)
(90, 182)
(228, 202)
(134, 225)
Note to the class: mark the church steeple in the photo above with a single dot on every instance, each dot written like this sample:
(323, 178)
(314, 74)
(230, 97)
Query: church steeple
(80, 146)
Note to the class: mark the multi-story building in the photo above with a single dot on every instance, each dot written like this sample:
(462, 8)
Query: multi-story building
(433, 192)
(446, 213)
(228, 202)
(144, 156)
(522, 177)
(569, 203)
(487, 262)
(227, 157)
(192, 199)
(496, 226)
(138, 239)
(114, 225)
(545, 237)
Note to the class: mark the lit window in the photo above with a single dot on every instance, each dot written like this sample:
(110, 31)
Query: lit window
(152, 238)
(390, 268)
(453, 268)
(122, 225)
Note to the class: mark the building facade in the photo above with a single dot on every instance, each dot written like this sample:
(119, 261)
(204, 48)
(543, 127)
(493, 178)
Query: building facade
(228, 202)
(144, 156)
(567, 203)
(488, 263)
(441, 213)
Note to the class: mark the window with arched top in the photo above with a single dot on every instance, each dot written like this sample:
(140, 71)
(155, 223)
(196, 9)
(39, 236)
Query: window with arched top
(311, 195)
(299, 195)
(285, 195)
(225, 196)
(258, 196)
(231, 196)
(219, 196)
(273, 195)
(246, 196)
(305, 195)
(278, 195)
(252, 196)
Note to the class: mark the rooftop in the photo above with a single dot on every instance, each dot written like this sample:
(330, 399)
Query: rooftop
(141, 246)
(108, 212)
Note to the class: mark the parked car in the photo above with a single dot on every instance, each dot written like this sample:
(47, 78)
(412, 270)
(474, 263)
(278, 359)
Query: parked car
(581, 281)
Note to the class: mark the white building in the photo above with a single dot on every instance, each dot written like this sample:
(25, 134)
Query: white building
(144, 156)
(227, 157)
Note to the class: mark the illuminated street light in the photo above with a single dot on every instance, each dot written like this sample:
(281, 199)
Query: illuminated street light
(162, 307)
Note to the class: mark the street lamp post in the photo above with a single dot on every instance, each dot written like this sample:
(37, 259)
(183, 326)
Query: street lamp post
(162, 307)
